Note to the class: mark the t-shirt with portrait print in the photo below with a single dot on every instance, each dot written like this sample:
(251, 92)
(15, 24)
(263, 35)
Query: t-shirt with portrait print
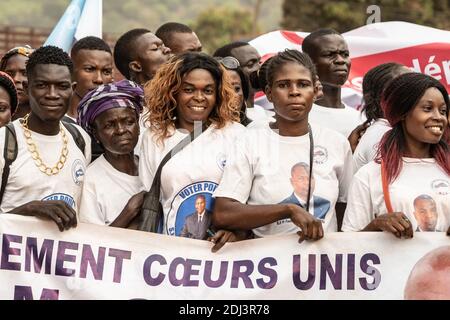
(259, 172)
(193, 172)
(421, 192)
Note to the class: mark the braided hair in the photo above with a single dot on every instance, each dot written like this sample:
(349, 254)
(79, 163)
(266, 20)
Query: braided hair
(374, 82)
(287, 56)
(399, 99)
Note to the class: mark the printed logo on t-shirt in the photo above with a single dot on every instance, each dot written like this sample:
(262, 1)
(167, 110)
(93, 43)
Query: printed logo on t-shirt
(194, 212)
(221, 160)
(78, 170)
(441, 187)
(320, 154)
(62, 197)
(375, 146)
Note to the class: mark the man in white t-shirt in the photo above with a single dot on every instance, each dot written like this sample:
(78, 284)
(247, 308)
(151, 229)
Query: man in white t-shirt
(329, 52)
(46, 178)
(425, 212)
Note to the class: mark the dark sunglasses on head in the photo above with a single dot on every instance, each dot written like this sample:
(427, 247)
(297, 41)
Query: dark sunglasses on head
(229, 62)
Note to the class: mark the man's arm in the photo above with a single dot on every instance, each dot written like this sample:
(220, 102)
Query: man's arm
(58, 211)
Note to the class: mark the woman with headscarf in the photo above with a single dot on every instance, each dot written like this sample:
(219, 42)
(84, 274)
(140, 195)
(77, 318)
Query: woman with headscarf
(14, 64)
(8, 98)
(112, 191)
(407, 187)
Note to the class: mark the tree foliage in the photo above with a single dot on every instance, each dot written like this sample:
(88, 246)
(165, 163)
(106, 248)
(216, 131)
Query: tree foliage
(308, 15)
(218, 26)
(120, 16)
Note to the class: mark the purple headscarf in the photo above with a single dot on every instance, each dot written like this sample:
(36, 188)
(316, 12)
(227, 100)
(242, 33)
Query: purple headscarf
(121, 94)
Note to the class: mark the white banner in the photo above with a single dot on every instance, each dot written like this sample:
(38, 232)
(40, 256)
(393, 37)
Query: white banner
(424, 49)
(92, 262)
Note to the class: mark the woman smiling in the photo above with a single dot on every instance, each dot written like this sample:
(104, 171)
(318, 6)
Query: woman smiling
(192, 89)
(410, 178)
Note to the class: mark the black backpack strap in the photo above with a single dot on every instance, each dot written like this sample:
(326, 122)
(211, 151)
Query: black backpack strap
(76, 134)
(152, 213)
(9, 154)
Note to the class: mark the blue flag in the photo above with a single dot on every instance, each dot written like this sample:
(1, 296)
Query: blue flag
(64, 32)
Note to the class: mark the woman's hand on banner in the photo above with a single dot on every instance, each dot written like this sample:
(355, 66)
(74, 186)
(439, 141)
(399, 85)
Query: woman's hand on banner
(311, 228)
(396, 223)
(223, 236)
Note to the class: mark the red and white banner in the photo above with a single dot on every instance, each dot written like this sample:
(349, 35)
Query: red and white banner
(95, 262)
(424, 49)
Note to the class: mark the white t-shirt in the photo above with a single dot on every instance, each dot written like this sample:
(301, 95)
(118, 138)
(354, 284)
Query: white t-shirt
(342, 120)
(142, 129)
(260, 173)
(106, 192)
(27, 183)
(259, 115)
(194, 171)
(419, 177)
(263, 102)
(367, 146)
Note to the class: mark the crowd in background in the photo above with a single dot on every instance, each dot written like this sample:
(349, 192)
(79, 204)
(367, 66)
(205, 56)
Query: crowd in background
(182, 130)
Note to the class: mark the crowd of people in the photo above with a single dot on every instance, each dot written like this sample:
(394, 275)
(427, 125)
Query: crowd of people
(182, 130)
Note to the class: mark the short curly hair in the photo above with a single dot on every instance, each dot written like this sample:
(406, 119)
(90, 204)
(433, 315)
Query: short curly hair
(309, 45)
(166, 31)
(48, 55)
(90, 43)
(160, 93)
(125, 50)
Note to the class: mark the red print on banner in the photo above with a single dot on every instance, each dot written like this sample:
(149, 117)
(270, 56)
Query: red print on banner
(292, 37)
(432, 59)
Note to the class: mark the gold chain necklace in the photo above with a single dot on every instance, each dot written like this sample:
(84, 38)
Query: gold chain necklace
(32, 148)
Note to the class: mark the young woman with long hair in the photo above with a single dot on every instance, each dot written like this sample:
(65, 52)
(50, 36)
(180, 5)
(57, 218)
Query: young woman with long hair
(407, 187)
(191, 89)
